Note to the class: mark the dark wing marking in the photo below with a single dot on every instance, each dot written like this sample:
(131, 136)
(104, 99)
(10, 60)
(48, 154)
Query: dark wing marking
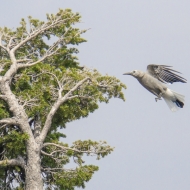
(164, 74)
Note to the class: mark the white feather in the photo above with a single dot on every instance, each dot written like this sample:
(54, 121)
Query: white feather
(170, 97)
(178, 96)
(173, 107)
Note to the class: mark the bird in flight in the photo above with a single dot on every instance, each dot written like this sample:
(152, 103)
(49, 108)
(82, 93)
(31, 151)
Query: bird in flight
(155, 80)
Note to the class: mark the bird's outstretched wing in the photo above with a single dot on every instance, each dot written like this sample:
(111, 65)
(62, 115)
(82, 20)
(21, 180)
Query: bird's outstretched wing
(164, 74)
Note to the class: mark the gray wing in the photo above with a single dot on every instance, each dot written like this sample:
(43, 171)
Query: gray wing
(164, 74)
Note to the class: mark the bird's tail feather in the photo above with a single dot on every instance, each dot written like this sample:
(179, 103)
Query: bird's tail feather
(178, 96)
(178, 103)
(173, 107)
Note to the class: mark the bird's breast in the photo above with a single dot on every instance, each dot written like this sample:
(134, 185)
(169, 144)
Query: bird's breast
(151, 84)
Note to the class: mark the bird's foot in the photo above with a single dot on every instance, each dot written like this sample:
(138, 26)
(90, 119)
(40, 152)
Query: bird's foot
(156, 99)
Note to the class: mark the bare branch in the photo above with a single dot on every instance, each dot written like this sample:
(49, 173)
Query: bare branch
(55, 107)
(51, 169)
(91, 150)
(57, 155)
(45, 153)
(31, 102)
(9, 121)
(13, 162)
(29, 64)
(23, 60)
(53, 144)
(66, 96)
(58, 82)
(51, 51)
(40, 30)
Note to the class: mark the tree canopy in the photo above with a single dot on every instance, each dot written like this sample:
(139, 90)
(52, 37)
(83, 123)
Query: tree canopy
(43, 87)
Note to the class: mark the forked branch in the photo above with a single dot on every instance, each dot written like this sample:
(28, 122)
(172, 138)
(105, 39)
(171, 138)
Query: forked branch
(44, 27)
(56, 106)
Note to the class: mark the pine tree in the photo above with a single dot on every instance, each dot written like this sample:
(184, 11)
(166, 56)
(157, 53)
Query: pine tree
(42, 88)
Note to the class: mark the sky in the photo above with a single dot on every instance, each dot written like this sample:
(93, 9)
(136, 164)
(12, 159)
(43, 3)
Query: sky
(152, 144)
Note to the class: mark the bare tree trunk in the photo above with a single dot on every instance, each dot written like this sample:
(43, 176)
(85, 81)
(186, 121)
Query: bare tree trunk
(33, 169)
(33, 164)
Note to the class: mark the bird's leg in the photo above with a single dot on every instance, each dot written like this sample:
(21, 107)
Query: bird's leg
(159, 97)
(156, 99)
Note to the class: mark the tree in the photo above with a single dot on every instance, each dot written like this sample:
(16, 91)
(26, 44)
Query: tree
(42, 88)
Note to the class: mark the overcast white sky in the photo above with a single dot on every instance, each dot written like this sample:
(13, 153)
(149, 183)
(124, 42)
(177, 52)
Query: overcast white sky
(152, 144)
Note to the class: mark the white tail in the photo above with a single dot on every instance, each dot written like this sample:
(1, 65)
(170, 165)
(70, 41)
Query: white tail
(176, 102)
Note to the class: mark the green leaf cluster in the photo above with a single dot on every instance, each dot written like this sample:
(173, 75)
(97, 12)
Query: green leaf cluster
(73, 178)
(69, 178)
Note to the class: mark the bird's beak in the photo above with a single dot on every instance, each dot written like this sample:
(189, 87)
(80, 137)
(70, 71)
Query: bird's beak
(129, 73)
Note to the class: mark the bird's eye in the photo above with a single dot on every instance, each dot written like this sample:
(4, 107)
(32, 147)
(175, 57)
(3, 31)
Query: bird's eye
(133, 71)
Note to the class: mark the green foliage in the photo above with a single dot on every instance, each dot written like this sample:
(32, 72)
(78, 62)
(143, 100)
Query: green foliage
(70, 179)
(13, 141)
(37, 89)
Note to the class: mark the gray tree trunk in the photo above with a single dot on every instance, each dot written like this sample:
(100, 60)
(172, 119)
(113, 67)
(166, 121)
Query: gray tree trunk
(33, 169)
